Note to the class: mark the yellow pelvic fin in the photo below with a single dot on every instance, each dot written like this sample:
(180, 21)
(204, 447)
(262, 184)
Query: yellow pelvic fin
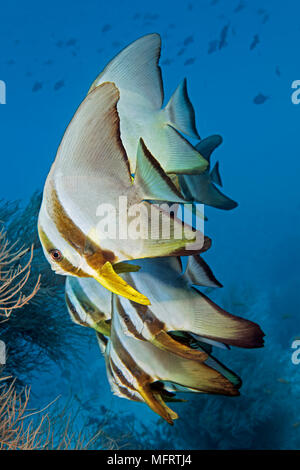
(109, 279)
(157, 404)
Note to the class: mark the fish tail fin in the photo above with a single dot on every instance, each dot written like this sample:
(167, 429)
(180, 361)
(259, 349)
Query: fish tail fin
(180, 113)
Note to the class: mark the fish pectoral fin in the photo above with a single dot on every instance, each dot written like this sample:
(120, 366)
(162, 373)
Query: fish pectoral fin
(124, 267)
(109, 279)
(157, 404)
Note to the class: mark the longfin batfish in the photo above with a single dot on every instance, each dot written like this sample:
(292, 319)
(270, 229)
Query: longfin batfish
(91, 171)
(176, 305)
(136, 73)
(89, 304)
(180, 317)
(135, 366)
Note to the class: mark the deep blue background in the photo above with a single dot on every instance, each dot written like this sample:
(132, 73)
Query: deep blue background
(51, 53)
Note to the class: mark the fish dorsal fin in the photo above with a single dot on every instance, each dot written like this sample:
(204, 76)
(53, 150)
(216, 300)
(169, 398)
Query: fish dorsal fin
(215, 175)
(91, 145)
(198, 273)
(136, 69)
(181, 112)
(208, 145)
(152, 180)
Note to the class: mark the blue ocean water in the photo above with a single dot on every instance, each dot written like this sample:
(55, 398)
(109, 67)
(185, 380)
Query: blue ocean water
(240, 59)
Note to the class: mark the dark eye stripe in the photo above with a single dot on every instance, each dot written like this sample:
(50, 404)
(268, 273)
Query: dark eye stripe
(64, 264)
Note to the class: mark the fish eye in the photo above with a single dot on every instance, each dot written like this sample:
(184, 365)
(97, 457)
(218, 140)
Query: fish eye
(56, 255)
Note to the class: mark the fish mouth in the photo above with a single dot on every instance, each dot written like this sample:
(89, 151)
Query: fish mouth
(59, 271)
(109, 279)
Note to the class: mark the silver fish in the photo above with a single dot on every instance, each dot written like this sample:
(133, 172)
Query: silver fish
(90, 171)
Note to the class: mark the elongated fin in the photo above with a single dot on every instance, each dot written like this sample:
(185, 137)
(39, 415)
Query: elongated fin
(211, 321)
(91, 145)
(151, 179)
(208, 145)
(198, 273)
(181, 113)
(215, 175)
(109, 279)
(136, 69)
(157, 404)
